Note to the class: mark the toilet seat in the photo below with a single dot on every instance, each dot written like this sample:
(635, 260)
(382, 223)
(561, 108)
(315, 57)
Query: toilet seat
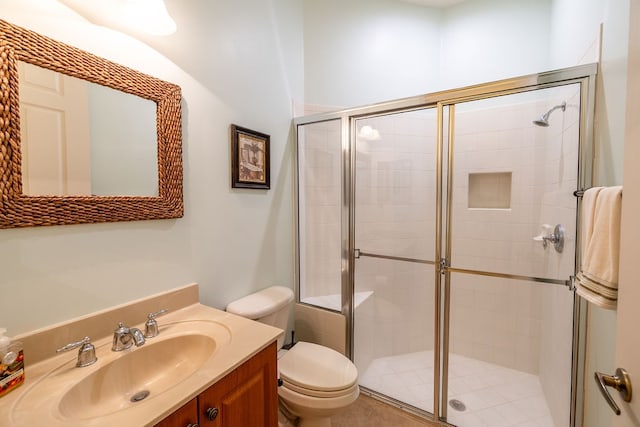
(317, 371)
(319, 394)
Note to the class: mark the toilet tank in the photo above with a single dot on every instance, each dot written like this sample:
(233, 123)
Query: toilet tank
(271, 306)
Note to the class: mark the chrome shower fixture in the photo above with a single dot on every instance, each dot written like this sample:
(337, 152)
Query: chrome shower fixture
(544, 119)
(554, 236)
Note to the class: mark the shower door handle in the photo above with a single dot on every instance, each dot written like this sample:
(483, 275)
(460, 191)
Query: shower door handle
(620, 381)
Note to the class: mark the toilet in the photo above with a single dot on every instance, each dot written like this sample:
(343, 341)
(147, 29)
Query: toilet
(316, 382)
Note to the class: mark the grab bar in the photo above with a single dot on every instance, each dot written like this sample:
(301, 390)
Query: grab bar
(358, 253)
(566, 283)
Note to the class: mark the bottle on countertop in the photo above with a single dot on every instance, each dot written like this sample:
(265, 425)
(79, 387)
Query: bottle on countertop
(11, 363)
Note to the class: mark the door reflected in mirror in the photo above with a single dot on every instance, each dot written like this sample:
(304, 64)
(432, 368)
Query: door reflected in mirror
(79, 138)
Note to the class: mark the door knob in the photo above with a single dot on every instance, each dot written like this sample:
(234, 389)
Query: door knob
(620, 381)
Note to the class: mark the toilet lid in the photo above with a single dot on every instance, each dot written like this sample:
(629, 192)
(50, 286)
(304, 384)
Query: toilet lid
(315, 367)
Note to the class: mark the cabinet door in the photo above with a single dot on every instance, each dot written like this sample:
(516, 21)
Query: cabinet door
(247, 397)
(183, 417)
(211, 400)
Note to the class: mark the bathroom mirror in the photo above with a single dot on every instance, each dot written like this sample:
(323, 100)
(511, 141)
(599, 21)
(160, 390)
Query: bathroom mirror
(136, 133)
(69, 144)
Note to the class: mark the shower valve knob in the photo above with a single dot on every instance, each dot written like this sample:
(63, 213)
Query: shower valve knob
(556, 238)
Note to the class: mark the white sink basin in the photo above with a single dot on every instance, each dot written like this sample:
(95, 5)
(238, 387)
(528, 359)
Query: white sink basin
(136, 376)
(124, 380)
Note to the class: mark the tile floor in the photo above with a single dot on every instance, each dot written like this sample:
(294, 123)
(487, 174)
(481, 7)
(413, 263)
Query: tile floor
(493, 395)
(369, 412)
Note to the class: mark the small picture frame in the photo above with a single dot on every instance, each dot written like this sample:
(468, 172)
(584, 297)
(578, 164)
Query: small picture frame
(249, 158)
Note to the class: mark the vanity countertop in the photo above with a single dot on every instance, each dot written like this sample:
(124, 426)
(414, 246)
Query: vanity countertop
(43, 399)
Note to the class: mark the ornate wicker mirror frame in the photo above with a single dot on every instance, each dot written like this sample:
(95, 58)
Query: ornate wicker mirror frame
(19, 210)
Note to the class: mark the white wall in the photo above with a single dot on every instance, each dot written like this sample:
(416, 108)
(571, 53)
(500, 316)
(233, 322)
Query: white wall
(124, 150)
(363, 51)
(394, 214)
(575, 39)
(556, 326)
(379, 50)
(236, 64)
(498, 320)
(488, 40)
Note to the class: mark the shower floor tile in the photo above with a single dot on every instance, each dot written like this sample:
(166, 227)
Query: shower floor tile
(493, 395)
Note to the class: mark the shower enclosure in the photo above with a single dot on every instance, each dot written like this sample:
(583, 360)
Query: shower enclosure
(443, 227)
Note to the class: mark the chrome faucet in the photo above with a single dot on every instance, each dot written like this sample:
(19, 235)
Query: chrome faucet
(124, 337)
(86, 353)
(151, 325)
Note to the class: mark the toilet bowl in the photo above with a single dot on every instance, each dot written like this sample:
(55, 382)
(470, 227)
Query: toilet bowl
(316, 382)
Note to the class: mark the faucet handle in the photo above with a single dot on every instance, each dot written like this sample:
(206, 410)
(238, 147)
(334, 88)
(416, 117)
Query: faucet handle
(151, 325)
(121, 329)
(121, 338)
(152, 316)
(86, 354)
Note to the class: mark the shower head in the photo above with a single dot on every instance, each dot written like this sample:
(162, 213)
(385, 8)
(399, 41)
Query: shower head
(544, 119)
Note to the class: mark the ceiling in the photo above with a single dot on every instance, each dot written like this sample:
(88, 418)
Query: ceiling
(434, 3)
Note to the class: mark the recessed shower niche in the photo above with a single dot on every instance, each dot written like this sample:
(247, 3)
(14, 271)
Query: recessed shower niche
(491, 190)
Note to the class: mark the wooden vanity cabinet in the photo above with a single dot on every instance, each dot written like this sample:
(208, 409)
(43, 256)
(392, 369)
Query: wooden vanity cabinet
(246, 397)
(183, 417)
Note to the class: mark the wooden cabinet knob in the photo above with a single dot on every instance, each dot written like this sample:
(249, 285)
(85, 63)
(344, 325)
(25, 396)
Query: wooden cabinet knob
(212, 413)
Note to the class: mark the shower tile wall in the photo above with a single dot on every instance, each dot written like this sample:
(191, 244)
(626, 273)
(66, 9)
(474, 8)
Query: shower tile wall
(544, 172)
(395, 214)
(319, 152)
(520, 325)
(398, 317)
(557, 303)
(496, 321)
(515, 324)
(395, 185)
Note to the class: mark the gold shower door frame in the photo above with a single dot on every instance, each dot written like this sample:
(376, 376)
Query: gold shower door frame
(445, 103)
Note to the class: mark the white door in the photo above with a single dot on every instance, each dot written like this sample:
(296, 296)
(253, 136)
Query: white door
(628, 321)
(55, 137)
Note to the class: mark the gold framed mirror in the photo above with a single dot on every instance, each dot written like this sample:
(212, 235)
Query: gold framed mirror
(23, 209)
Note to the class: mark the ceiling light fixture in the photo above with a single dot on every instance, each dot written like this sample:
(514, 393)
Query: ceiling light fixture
(148, 16)
(132, 16)
(369, 133)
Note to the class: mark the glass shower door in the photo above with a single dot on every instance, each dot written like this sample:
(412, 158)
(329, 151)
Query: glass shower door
(394, 232)
(512, 184)
(436, 236)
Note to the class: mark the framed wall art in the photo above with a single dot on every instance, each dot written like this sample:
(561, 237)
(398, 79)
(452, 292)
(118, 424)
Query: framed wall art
(249, 158)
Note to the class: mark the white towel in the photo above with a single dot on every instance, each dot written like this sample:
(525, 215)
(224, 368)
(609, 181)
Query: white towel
(597, 280)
